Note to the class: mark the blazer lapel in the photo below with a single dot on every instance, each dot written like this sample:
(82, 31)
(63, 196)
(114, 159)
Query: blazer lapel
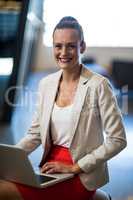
(49, 102)
(79, 100)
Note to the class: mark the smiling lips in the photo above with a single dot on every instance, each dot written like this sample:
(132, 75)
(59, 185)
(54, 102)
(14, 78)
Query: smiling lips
(65, 60)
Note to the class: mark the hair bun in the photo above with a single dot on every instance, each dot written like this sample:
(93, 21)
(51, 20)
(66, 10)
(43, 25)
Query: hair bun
(68, 19)
(70, 22)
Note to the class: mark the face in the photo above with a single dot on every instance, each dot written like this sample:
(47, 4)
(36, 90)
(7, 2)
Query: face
(67, 48)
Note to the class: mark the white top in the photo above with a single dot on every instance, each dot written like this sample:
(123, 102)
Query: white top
(60, 125)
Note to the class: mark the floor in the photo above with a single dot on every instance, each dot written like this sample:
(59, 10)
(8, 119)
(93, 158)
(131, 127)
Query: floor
(120, 167)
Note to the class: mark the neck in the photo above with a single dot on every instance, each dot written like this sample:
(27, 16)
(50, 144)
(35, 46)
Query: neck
(72, 74)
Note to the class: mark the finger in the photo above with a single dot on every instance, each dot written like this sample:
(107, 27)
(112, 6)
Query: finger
(51, 171)
(49, 164)
(45, 168)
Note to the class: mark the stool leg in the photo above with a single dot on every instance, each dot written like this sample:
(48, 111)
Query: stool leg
(110, 197)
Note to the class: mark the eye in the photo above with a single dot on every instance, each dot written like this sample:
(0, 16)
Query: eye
(57, 46)
(72, 46)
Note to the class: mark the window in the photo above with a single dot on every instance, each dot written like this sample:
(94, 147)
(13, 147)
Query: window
(105, 22)
(6, 66)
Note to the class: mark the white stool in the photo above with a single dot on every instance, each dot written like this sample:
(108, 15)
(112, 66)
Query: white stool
(101, 195)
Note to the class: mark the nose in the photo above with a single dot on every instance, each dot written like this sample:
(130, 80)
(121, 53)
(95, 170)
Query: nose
(64, 50)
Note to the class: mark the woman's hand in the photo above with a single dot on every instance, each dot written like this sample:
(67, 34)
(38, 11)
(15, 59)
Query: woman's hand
(59, 167)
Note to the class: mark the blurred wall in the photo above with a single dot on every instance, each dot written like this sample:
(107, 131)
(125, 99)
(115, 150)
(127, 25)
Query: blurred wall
(103, 55)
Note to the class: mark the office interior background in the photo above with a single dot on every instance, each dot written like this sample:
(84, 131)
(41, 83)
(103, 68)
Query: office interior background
(26, 56)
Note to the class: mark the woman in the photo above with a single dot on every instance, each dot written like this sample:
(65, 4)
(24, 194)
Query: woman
(75, 107)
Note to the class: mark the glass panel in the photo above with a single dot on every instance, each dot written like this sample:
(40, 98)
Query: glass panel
(6, 66)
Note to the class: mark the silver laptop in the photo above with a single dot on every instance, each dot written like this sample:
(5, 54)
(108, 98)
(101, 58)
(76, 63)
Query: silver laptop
(15, 166)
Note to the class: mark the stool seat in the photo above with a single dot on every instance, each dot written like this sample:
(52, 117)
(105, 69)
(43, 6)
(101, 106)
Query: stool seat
(101, 195)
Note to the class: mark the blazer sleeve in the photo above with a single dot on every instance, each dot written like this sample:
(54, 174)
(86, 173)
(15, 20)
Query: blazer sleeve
(113, 127)
(32, 139)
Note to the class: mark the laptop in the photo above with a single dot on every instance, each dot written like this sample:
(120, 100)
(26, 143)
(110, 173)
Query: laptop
(15, 166)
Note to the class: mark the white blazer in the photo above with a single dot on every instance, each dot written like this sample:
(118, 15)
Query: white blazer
(95, 110)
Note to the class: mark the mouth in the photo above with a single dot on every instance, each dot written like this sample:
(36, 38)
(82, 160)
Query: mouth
(64, 60)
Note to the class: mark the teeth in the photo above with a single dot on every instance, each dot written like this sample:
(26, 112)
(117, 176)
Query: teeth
(65, 59)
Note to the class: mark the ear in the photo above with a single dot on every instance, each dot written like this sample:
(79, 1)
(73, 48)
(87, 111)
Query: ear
(82, 47)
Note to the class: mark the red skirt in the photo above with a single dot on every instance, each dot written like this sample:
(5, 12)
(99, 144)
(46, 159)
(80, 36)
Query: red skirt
(69, 189)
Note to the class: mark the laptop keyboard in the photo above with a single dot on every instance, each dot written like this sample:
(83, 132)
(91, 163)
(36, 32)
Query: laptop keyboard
(44, 179)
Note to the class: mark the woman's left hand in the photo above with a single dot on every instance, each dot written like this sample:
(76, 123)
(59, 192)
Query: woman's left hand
(59, 167)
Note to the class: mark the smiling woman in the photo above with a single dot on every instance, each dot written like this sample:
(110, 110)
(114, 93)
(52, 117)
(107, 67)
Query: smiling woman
(69, 128)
